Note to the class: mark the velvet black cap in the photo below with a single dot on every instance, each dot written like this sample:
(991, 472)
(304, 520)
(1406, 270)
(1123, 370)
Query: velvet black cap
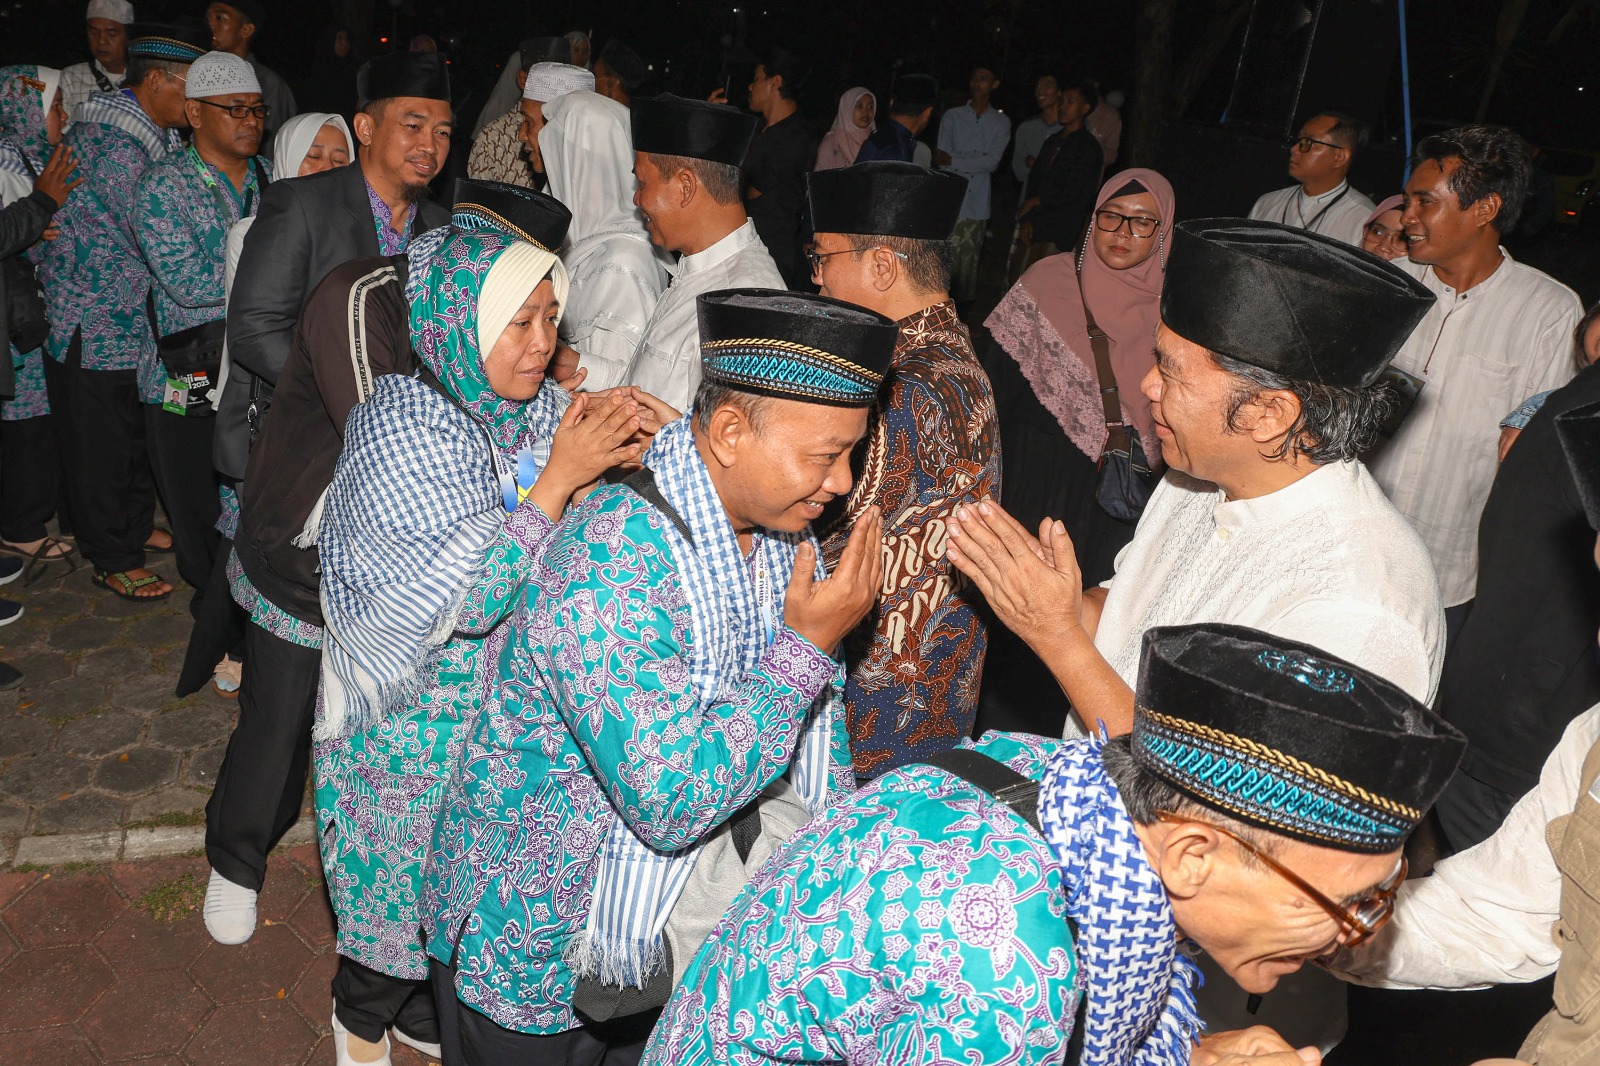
(530, 216)
(674, 125)
(794, 346)
(912, 93)
(253, 10)
(1283, 736)
(1579, 431)
(1298, 304)
(419, 74)
(887, 199)
(183, 41)
(545, 50)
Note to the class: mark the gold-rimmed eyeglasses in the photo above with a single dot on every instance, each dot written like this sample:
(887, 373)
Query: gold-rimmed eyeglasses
(1361, 919)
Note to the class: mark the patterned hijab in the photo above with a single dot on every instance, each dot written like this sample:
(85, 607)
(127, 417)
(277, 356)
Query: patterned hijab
(26, 93)
(461, 297)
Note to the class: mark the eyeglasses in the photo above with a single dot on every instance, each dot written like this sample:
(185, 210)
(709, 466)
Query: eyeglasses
(815, 257)
(1303, 144)
(241, 111)
(1381, 234)
(1361, 919)
(1138, 225)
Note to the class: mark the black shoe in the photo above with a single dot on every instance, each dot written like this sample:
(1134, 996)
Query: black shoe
(10, 677)
(10, 569)
(10, 611)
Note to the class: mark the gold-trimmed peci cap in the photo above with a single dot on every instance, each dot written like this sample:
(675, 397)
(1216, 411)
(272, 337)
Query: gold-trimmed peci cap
(535, 217)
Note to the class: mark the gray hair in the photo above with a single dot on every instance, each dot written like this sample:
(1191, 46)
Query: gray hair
(722, 183)
(1335, 423)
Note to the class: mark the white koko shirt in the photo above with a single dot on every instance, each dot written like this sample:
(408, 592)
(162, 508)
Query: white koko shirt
(1340, 213)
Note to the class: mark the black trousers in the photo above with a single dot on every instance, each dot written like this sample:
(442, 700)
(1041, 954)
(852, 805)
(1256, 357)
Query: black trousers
(30, 478)
(467, 1038)
(263, 775)
(100, 429)
(368, 1003)
(180, 457)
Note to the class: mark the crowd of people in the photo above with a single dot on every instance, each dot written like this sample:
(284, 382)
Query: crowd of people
(705, 645)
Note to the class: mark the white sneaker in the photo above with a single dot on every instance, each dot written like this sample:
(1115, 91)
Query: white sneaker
(341, 1047)
(230, 910)
(432, 1051)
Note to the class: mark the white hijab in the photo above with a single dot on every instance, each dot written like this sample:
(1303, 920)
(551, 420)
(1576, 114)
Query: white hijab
(296, 137)
(588, 157)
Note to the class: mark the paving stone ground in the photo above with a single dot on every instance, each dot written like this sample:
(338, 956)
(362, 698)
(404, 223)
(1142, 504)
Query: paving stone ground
(92, 975)
(95, 739)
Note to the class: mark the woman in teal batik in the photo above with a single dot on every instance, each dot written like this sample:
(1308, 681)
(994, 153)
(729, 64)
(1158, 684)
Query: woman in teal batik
(448, 481)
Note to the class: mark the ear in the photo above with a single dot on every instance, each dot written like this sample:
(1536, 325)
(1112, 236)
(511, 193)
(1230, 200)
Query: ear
(191, 111)
(1276, 412)
(247, 31)
(727, 433)
(1187, 858)
(688, 186)
(522, 80)
(1486, 210)
(364, 127)
(886, 269)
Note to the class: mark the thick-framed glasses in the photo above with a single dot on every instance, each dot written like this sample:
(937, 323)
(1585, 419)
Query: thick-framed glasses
(1138, 225)
(241, 111)
(815, 257)
(1305, 144)
(1360, 920)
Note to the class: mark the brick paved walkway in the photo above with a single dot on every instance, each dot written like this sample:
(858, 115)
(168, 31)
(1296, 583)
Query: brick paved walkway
(91, 975)
(94, 739)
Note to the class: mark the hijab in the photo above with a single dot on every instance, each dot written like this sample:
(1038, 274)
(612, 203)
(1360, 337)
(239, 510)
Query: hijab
(1393, 203)
(588, 159)
(470, 291)
(26, 94)
(1041, 324)
(844, 139)
(295, 138)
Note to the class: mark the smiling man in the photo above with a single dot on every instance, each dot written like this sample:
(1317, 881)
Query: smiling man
(1500, 332)
(1257, 812)
(672, 660)
(305, 228)
(1264, 394)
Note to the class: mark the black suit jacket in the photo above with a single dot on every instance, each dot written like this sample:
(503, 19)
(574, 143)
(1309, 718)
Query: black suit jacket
(306, 227)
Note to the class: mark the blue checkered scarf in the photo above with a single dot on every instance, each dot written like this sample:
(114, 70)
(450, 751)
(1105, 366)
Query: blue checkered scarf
(121, 110)
(415, 504)
(1141, 989)
(736, 618)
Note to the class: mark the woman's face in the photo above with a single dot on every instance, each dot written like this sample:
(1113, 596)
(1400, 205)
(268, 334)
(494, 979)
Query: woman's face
(865, 111)
(1122, 248)
(55, 118)
(515, 365)
(341, 43)
(1386, 235)
(329, 150)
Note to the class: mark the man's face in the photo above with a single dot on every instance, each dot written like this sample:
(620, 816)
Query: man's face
(228, 28)
(606, 83)
(515, 366)
(1259, 926)
(409, 141)
(1046, 93)
(108, 43)
(1189, 400)
(660, 199)
(781, 476)
(1072, 107)
(982, 85)
(1437, 227)
(1319, 163)
(218, 134)
(528, 132)
(845, 274)
(764, 89)
(164, 101)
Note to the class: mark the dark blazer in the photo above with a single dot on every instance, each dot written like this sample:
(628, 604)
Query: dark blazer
(21, 224)
(305, 228)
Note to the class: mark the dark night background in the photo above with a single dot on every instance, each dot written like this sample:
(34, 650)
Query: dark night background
(693, 43)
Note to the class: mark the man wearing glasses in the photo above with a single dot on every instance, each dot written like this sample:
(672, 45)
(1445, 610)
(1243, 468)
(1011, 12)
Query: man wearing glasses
(915, 663)
(1256, 813)
(1264, 394)
(185, 205)
(1322, 200)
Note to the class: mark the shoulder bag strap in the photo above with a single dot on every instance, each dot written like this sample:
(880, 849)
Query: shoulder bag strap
(1110, 400)
(643, 482)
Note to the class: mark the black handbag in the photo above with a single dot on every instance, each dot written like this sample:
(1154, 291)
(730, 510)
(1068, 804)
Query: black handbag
(1123, 478)
(192, 357)
(25, 319)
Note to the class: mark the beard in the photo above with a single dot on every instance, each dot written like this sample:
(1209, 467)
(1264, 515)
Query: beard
(414, 194)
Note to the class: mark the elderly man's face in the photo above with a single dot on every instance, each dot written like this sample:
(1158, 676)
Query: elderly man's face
(528, 131)
(1256, 924)
(1190, 397)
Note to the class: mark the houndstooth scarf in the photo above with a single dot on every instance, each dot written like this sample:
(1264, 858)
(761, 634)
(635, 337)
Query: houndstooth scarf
(737, 609)
(1141, 997)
